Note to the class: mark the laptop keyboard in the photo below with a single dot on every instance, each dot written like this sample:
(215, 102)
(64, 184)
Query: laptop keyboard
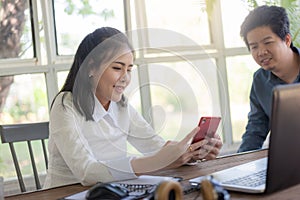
(252, 180)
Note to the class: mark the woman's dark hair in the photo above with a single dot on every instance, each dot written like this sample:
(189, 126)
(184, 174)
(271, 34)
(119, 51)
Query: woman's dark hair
(95, 49)
(273, 16)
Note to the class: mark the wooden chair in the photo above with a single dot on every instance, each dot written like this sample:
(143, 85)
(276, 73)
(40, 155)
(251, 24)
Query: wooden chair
(26, 133)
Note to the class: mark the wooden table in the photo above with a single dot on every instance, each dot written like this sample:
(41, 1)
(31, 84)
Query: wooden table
(186, 172)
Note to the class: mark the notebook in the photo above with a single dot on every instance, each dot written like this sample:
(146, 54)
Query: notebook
(281, 168)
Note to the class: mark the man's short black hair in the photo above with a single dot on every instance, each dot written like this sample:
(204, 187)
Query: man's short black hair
(273, 16)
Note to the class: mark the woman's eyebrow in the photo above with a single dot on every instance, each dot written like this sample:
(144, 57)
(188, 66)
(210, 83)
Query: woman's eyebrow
(123, 64)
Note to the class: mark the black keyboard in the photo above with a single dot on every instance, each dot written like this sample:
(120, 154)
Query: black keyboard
(138, 189)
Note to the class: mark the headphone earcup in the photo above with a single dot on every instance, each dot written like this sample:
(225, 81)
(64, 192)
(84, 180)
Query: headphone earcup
(168, 190)
(208, 190)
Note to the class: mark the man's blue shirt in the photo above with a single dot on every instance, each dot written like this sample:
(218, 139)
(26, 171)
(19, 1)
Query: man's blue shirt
(259, 116)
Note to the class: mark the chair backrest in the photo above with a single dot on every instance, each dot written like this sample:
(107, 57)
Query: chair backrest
(26, 133)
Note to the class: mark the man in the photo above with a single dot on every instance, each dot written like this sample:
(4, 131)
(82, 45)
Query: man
(266, 34)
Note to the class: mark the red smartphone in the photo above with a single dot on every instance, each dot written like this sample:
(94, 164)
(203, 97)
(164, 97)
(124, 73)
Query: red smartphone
(208, 127)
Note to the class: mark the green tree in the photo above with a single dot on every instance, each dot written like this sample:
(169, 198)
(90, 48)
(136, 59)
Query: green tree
(292, 7)
(12, 21)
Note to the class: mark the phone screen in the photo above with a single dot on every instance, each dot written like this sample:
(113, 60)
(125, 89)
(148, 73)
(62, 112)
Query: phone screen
(208, 128)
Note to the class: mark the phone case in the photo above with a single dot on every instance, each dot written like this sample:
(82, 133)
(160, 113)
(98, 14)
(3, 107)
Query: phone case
(208, 127)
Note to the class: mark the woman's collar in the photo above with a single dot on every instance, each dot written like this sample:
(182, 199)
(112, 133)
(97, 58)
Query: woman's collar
(100, 112)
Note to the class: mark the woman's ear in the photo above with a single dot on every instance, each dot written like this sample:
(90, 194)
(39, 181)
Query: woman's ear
(92, 72)
(91, 68)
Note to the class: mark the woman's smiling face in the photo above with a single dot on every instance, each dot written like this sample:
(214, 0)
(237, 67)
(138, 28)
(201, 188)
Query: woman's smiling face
(114, 79)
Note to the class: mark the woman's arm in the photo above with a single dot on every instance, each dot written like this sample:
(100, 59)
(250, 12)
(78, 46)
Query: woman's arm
(171, 155)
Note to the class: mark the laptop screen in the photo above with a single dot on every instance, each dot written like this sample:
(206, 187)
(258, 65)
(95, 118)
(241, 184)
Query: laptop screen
(284, 163)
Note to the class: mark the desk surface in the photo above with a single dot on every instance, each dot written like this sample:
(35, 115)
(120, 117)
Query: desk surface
(186, 172)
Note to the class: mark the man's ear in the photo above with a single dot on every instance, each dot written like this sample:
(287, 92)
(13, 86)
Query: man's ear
(288, 39)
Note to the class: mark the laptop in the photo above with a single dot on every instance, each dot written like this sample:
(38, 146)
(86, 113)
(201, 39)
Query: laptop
(281, 168)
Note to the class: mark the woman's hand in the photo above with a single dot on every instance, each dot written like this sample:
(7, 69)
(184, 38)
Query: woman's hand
(175, 154)
(187, 157)
(171, 155)
(207, 149)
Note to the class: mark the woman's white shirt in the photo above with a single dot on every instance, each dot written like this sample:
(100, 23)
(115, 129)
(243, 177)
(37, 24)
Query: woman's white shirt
(95, 151)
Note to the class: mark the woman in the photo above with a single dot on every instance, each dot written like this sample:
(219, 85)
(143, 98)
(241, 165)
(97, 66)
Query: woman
(91, 121)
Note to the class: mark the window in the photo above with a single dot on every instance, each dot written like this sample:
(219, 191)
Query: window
(181, 93)
(240, 71)
(193, 25)
(82, 17)
(232, 23)
(61, 78)
(26, 101)
(16, 33)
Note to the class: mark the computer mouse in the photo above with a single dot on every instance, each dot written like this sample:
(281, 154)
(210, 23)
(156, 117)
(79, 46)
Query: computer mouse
(107, 191)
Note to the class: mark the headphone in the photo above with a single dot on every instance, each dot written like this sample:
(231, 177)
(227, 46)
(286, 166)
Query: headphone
(168, 190)
(209, 188)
